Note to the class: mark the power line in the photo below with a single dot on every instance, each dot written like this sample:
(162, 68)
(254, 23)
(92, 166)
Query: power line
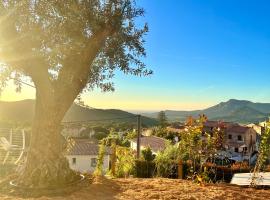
(20, 81)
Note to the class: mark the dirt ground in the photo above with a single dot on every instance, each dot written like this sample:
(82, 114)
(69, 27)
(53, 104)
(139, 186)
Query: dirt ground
(133, 188)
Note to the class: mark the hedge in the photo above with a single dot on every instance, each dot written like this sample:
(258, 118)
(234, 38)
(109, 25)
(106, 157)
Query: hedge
(144, 169)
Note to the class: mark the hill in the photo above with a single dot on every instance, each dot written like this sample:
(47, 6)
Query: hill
(240, 111)
(23, 112)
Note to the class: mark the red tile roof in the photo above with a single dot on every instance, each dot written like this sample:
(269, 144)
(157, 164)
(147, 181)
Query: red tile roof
(211, 123)
(238, 129)
(218, 124)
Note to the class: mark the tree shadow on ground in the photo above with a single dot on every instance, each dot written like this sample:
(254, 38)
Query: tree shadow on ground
(90, 188)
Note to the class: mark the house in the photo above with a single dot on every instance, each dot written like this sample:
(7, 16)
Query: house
(240, 142)
(259, 129)
(155, 143)
(82, 155)
(211, 126)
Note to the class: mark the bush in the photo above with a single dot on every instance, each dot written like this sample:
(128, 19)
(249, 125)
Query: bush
(125, 162)
(144, 169)
(100, 160)
(165, 161)
(148, 155)
(100, 135)
(216, 172)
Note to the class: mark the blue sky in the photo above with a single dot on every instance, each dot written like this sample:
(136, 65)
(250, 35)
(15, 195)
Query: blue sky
(202, 52)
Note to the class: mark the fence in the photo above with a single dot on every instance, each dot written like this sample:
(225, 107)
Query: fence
(145, 169)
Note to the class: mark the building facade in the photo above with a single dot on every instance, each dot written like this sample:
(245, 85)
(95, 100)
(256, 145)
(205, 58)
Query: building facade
(82, 156)
(240, 142)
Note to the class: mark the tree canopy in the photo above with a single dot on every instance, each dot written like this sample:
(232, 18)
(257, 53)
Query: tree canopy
(65, 45)
(162, 118)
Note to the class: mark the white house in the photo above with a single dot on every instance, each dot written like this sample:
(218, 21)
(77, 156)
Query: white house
(82, 156)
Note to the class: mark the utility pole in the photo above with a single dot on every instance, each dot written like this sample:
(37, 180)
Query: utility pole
(138, 136)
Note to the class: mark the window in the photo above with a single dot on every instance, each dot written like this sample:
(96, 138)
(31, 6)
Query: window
(93, 162)
(230, 136)
(236, 149)
(239, 137)
(74, 161)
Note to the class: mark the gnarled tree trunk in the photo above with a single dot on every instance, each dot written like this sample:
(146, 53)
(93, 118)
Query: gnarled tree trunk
(46, 165)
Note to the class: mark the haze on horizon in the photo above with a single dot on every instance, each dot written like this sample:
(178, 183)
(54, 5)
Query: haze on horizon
(202, 53)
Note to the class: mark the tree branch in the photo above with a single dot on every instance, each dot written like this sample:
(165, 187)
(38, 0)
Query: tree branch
(73, 76)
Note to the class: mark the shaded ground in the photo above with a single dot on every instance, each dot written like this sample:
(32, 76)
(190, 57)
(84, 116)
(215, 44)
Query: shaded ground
(104, 189)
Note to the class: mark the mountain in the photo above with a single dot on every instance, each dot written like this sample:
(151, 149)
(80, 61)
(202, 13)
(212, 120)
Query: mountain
(19, 111)
(23, 112)
(234, 110)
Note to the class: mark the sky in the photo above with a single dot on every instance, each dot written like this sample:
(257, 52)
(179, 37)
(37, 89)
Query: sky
(201, 52)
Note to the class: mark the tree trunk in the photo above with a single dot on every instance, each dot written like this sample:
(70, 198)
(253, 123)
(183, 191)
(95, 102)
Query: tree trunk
(46, 165)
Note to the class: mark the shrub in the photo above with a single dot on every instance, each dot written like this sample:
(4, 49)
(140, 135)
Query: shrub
(148, 155)
(125, 162)
(144, 169)
(100, 135)
(100, 161)
(165, 161)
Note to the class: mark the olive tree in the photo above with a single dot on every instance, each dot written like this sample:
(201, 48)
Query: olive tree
(65, 48)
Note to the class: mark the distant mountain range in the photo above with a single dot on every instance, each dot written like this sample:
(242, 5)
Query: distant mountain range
(23, 112)
(240, 111)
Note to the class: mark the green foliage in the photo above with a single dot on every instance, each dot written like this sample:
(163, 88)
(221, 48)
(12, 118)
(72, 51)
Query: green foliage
(148, 155)
(164, 133)
(115, 137)
(165, 159)
(100, 135)
(100, 160)
(131, 135)
(101, 129)
(264, 151)
(93, 38)
(144, 169)
(125, 162)
(163, 121)
(193, 147)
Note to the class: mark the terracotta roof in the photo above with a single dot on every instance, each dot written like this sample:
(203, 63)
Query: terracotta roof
(211, 123)
(155, 143)
(84, 147)
(238, 129)
(218, 124)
